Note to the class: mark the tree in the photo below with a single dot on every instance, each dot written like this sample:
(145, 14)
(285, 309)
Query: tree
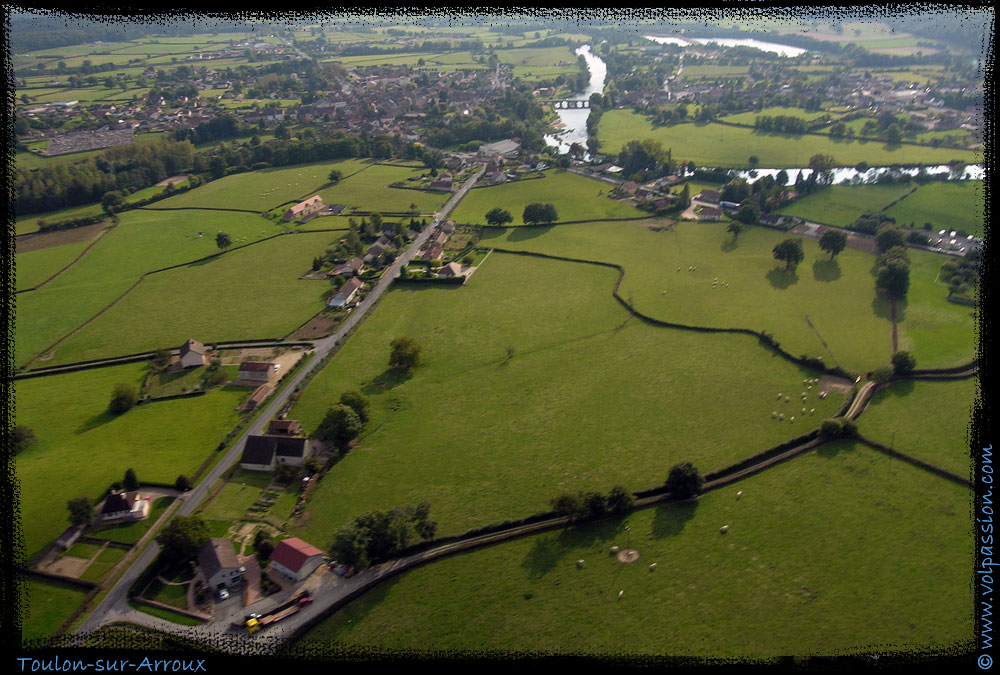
(123, 398)
(131, 482)
(81, 511)
(735, 190)
(567, 505)
(822, 166)
(498, 217)
(183, 483)
(754, 161)
(404, 353)
(340, 425)
(893, 135)
(748, 213)
(735, 227)
(350, 546)
(223, 240)
(112, 201)
(685, 200)
(537, 212)
(684, 481)
(789, 252)
(468, 260)
(833, 242)
(620, 500)
(903, 363)
(894, 279)
(181, 539)
(213, 373)
(20, 438)
(335, 175)
(782, 178)
(357, 402)
(595, 504)
(838, 427)
(889, 237)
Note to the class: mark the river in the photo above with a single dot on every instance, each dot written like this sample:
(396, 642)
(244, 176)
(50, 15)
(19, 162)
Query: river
(575, 119)
(850, 175)
(774, 47)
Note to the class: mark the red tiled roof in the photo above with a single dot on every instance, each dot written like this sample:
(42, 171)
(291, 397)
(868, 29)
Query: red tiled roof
(293, 553)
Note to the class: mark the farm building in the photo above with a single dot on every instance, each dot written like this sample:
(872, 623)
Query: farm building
(443, 185)
(296, 559)
(257, 371)
(304, 209)
(218, 563)
(286, 427)
(264, 453)
(193, 354)
(709, 196)
(345, 294)
(123, 505)
(69, 536)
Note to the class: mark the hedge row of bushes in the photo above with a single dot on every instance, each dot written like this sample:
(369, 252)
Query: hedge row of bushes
(71, 224)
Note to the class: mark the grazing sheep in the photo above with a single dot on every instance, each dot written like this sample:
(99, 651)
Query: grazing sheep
(614, 549)
(787, 399)
(620, 594)
(803, 410)
(792, 420)
(781, 416)
(774, 414)
(579, 563)
(805, 381)
(739, 494)
(724, 529)
(812, 410)
(652, 567)
(779, 396)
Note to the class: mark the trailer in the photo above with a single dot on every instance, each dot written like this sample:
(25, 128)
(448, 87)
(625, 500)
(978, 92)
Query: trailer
(283, 611)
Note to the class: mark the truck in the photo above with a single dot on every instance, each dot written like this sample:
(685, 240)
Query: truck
(255, 622)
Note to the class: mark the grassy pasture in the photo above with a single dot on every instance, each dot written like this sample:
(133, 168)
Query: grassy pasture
(34, 267)
(575, 198)
(711, 595)
(730, 147)
(262, 190)
(538, 56)
(839, 297)
(45, 606)
(246, 294)
(950, 205)
(81, 446)
(236, 496)
(927, 420)
(841, 205)
(750, 117)
(938, 333)
(369, 191)
(590, 399)
(143, 241)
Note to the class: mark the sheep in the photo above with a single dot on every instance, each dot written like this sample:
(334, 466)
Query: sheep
(793, 419)
(724, 529)
(579, 563)
(812, 410)
(781, 416)
(787, 399)
(774, 414)
(614, 549)
(803, 410)
(805, 381)
(652, 567)
(620, 594)
(739, 494)
(779, 396)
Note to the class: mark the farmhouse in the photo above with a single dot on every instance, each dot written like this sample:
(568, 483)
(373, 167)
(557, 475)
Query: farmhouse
(257, 371)
(345, 294)
(304, 209)
(709, 196)
(193, 354)
(264, 453)
(296, 559)
(218, 563)
(123, 505)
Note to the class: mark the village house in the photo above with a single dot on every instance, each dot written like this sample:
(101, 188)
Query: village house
(296, 559)
(349, 269)
(709, 196)
(258, 371)
(374, 254)
(123, 505)
(193, 354)
(628, 188)
(265, 452)
(346, 293)
(219, 565)
(285, 427)
(450, 271)
(304, 209)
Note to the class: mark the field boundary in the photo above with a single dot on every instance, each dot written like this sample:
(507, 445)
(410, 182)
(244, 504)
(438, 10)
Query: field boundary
(94, 241)
(926, 466)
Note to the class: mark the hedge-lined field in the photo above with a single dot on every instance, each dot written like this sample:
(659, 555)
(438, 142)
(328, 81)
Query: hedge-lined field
(926, 420)
(838, 297)
(82, 448)
(247, 294)
(841, 205)
(143, 241)
(370, 191)
(575, 198)
(34, 267)
(46, 606)
(711, 595)
(590, 399)
(731, 147)
(946, 206)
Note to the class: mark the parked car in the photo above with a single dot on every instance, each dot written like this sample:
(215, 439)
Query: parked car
(223, 594)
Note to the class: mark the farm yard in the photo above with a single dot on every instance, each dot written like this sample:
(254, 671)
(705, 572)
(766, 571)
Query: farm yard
(724, 591)
(575, 198)
(603, 372)
(712, 144)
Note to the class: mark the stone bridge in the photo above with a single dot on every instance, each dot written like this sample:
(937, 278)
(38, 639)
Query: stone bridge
(561, 103)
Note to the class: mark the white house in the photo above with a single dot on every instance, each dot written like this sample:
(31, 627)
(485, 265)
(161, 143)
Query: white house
(296, 559)
(346, 293)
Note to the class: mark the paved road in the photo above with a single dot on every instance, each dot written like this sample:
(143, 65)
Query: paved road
(115, 606)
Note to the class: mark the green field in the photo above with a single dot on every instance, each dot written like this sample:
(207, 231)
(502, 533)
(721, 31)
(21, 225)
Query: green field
(590, 399)
(749, 118)
(237, 495)
(538, 56)
(947, 206)
(938, 333)
(28, 224)
(711, 595)
(731, 147)
(46, 606)
(926, 420)
(838, 297)
(34, 267)
(143, 241)
(841, 205)
(85, 449)
(253, 293)
(575, 198)
(369, 191)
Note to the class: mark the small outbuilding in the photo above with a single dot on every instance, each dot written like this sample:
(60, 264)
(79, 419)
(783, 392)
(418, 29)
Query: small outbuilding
(296, 559)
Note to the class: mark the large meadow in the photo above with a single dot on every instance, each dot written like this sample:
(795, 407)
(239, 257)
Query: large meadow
(588, 399)
(806, 567)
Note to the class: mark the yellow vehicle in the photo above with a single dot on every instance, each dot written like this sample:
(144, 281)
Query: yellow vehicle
(253, 625)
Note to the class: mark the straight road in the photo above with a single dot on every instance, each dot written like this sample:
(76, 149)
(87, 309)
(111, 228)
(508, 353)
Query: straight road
(115, 606)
